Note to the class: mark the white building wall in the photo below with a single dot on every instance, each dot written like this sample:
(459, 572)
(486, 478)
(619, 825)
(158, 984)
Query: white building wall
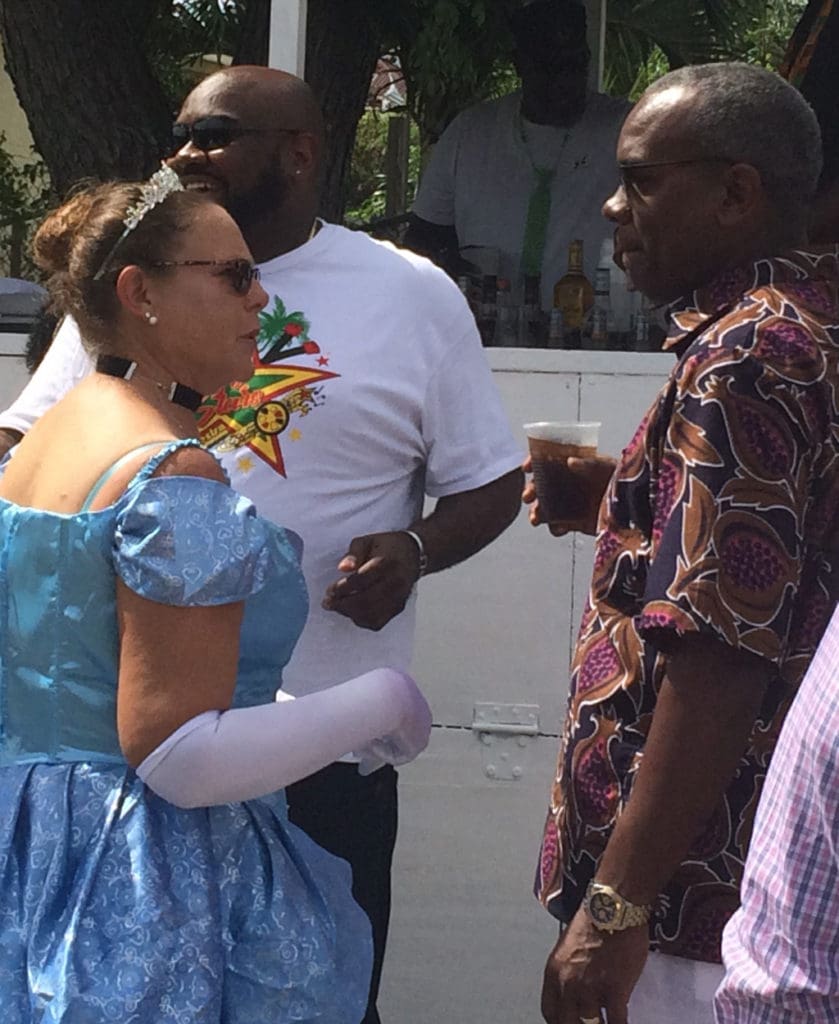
(13, 373)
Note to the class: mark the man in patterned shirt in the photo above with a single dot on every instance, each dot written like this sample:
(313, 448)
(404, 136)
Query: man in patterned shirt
(780, 948)
(715, 566)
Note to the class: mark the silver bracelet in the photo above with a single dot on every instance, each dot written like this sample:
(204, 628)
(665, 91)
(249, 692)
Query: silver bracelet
(423, 557)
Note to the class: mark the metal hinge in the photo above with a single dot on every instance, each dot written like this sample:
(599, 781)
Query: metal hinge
(505, 731)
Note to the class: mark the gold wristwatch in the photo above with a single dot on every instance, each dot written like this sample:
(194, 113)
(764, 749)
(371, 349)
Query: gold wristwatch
(610, 912)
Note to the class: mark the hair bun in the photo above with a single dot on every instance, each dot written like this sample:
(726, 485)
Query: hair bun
(76, 241)
(52, 246)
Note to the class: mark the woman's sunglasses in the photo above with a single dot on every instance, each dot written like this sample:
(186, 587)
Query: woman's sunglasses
(216, 132)
(240, 273)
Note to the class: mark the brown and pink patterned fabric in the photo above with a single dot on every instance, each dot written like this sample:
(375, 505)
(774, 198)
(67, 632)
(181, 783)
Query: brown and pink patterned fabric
(722, 518)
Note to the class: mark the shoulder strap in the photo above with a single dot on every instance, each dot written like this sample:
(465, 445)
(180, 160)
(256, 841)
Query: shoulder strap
(148, 468)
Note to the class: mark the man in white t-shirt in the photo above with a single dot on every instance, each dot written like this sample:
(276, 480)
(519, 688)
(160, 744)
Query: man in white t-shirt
(370, 391)
(513, 181)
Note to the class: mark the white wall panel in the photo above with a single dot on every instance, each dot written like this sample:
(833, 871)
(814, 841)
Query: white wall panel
(468, 940)
(13, 373)
(500, 623)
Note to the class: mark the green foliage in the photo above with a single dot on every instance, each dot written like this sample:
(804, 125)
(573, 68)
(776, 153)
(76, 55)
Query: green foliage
(182, 32)
(457, 52)
(644, 40)
(453, 53)
(25, 196)
(765, 38)
(25, 190)
(654, 66)
(367, 196)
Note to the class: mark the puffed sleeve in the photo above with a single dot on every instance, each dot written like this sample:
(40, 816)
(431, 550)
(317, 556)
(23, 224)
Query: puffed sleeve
(189, 541)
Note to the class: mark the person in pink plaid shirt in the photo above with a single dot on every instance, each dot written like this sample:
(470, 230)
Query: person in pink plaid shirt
(781, 949)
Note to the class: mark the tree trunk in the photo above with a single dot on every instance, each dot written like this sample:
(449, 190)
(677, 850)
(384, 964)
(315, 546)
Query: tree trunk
(253, 39)
(94, 107)
(342, 47)
(396, 164)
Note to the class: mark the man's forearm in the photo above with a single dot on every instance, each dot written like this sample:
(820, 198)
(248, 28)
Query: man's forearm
(704, 715)
(462, 524)
(432, 240)
(8, 439)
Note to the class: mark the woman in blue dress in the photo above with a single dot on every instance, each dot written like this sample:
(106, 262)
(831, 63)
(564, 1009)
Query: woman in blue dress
(148, 872)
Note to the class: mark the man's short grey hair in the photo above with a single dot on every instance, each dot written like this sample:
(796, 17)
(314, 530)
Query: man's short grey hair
(750, 115)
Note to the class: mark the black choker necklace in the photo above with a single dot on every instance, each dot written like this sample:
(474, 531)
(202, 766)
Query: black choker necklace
(180, 394)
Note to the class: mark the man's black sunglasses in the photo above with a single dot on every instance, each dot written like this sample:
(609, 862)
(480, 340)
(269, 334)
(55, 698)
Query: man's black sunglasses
(216, 132)
(240, 272)
(627, 168)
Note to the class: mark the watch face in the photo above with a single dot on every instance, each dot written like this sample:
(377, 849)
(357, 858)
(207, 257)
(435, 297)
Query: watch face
(602, 908)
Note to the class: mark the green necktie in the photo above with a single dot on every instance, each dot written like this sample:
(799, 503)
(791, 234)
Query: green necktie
(536, 226)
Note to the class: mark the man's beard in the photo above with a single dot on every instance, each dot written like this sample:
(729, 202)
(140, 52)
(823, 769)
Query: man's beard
(260, 201)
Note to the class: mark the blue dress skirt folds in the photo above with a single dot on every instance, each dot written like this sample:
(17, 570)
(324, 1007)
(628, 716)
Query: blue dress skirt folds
(114, 904)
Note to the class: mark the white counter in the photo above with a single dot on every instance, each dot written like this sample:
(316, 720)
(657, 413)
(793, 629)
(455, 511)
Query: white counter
(13, 373)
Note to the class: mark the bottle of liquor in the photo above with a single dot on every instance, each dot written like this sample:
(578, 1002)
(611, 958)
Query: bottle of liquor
(641, 342)
(487, 310)
(601, 313)
(505, 321)
(531, 319)
(574, 295)
(556, 329)
(522, 328)
(464, 283)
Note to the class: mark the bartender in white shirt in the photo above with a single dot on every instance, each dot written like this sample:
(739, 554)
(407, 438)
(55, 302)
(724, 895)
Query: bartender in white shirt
(524, 175)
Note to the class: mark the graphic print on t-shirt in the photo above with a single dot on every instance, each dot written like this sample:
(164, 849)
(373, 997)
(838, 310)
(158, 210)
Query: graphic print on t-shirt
(255, 413)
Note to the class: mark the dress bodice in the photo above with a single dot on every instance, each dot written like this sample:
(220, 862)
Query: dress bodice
(177, 540)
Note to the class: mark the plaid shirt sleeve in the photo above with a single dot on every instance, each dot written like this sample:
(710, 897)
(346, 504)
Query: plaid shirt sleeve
(781, 949)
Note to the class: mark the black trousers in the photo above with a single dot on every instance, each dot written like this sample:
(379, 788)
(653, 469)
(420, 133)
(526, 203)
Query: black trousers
(355, 817)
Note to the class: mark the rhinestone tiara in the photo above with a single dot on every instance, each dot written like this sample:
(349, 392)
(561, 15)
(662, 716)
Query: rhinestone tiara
(152, 193)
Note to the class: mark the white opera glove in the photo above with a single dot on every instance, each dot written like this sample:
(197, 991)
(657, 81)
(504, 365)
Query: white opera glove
(221, 757)
(398, 748)
(403, 744)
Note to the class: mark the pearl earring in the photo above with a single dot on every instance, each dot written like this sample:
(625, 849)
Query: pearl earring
(152, 319)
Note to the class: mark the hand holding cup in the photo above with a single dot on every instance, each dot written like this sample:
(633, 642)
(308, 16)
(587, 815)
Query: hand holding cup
(569, 477)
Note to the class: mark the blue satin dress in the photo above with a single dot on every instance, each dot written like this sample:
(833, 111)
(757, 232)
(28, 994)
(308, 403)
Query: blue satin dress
(116, 906)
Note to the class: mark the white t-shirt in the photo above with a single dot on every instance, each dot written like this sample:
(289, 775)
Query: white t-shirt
(63, 366)
(371, 390)
(480, 178)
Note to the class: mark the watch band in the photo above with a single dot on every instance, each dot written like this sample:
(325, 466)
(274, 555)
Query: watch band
(423, 557)
(611, 912)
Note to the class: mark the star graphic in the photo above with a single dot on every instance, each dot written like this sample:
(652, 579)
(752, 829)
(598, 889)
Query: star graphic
(323, 361)
(294, 434)
(228, 415)
(245, 464)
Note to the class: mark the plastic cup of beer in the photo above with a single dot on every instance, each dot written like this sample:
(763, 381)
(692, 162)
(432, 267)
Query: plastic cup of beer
(562, 497)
